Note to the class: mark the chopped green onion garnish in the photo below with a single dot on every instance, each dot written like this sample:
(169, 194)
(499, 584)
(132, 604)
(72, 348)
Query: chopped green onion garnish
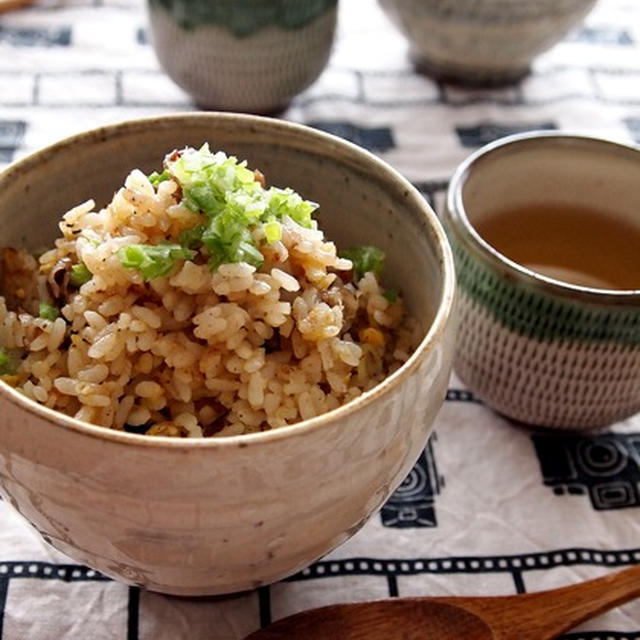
(228, 241)
(391, 295)
(79, 274)
(156, 178)
(234, 203)
(365, 259)
(272, 231)
(48, 311)
(191, 238)
(153, 261)
(5, 362)
(206, 178)
(287, 203)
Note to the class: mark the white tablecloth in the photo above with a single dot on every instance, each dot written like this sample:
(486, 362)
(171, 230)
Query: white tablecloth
(489, 508)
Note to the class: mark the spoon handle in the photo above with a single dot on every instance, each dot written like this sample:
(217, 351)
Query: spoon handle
(547, 614)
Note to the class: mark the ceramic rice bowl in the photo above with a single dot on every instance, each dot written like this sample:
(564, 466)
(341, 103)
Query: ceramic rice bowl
(214, 516)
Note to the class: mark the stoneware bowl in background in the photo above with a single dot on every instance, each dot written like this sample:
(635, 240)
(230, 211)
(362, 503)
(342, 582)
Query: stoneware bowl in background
(535, 348)
(243, 55)
(212, 516)
(482, 41)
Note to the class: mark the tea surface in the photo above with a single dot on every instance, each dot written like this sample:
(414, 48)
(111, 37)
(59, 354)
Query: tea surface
(575, 245)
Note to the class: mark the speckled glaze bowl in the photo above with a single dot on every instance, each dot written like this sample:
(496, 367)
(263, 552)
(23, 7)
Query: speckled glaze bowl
(536, 349)
(215, 516)
(482, 41)
(243, 55)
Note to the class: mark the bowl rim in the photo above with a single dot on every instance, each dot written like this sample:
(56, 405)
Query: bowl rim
(455, 214)
(438, 327)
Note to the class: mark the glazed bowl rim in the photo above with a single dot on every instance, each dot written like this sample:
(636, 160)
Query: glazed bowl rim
(456, 215)
(326, 142)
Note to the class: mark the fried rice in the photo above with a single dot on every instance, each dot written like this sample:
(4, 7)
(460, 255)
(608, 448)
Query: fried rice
(198, 302)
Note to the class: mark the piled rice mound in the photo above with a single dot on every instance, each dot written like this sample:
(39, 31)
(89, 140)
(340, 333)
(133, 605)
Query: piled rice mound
(198, 302)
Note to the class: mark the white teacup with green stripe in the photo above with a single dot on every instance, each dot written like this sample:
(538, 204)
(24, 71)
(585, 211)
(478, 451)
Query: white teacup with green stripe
(542, 349)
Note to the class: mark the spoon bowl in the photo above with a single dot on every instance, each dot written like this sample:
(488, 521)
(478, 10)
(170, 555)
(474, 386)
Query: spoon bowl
(413, 618)
(531, 616)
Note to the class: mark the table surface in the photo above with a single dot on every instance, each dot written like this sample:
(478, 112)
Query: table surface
(489, 507)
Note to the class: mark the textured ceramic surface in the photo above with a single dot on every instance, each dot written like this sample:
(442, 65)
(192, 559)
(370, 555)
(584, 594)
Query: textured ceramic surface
(537, 350)
(482, 41)
(243, 56)
(217, 516)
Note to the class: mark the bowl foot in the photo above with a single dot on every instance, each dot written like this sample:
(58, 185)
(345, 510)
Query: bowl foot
(275, 111)
(468, 77)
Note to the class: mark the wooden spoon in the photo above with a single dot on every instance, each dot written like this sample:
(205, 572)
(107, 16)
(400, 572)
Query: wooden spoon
(531, 616)
(6, 5)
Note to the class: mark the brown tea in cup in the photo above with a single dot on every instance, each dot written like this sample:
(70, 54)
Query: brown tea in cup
(576, 245)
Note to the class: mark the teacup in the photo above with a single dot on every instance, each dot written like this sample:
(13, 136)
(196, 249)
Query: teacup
(545, 229)
(234, 55)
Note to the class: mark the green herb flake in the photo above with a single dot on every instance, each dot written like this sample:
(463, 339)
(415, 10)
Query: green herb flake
(391, 295)
(79, 274)
(365, 259)
(153, 261)
(48, 311)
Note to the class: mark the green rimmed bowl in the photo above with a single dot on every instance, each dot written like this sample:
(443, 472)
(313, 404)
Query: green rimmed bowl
(542, 351)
